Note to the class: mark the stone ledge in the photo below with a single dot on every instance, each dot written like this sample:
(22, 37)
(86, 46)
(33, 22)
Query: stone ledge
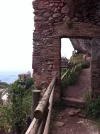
(73, 102)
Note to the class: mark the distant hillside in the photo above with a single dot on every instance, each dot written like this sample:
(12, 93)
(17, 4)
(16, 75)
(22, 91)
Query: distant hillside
(3, 84)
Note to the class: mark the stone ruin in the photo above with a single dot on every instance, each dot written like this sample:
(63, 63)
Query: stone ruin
(55, 19)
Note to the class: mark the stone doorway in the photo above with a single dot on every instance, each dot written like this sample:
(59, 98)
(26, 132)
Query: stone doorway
(52, 22)
(81, 54)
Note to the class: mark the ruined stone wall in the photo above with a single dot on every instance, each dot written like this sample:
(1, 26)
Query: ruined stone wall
(55, 11)
(95, 70)
(53, 20)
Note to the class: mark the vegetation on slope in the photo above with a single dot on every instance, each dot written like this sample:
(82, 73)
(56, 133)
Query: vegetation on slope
(77, 58)
(14, 115)
(3, 84)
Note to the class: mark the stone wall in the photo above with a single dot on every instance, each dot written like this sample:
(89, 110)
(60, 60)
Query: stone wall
(95, 69)
(53, 20)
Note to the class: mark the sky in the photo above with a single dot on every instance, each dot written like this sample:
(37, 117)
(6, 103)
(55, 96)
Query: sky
(66, 48)
(16, 28)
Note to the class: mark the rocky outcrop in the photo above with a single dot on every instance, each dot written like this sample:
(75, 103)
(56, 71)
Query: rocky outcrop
(82, 45)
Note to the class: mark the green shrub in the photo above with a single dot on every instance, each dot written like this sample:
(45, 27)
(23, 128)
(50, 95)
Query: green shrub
(64, 83)
(6, 117)
(93, 108)
(28, 82)
(77, 58)
(63, 70)
(14, 115)
(78, 70)
(72, 79)
(3, 84)
(85, 65)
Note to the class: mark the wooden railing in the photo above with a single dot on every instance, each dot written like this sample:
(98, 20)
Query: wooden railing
(42, 113)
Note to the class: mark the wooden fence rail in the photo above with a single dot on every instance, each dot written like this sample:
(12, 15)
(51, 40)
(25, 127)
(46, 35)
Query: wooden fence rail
(42, 113)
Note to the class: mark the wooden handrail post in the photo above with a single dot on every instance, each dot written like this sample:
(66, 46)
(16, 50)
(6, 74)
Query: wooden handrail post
(38, 113)
(35, 100)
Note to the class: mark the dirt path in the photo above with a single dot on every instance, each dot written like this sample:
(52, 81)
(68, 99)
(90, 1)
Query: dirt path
(66, 124)
(82, 85)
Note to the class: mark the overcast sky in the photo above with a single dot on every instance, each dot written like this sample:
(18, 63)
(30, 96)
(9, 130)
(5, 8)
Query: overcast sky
(16, 27)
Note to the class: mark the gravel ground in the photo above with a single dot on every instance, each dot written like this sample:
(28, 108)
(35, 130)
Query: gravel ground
(66, 124)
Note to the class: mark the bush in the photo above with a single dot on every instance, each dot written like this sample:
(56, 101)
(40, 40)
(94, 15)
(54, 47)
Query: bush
(78, 70)
(72, 79)
(77, 58)
(14, 115)
(64, 83)
(6, 117)
(85, 65)
(3, 84)
(28, 83)
(63, 70)
(93, 108)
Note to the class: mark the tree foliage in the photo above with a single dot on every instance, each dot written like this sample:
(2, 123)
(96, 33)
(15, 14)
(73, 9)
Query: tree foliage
(14, 115)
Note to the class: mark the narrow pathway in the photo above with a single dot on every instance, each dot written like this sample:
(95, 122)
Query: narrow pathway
(67, 124)
(82, 85)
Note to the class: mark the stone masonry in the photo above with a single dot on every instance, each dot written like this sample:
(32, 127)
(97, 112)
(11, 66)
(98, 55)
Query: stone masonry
(95, 70)
(53, 20)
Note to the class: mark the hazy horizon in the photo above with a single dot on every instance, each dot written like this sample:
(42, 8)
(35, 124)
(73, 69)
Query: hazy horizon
(11, 76)
(16, 31)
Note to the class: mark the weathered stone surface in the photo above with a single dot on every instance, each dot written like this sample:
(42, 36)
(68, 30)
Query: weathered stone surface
(95, 67)
(81, 115)
(66, 19)
(46, 14)
(50, 18)
(59, 124)
(61, 18)
(74, 112)
(65, 9)
(56, 15)
(82, 45)
(75, 19)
